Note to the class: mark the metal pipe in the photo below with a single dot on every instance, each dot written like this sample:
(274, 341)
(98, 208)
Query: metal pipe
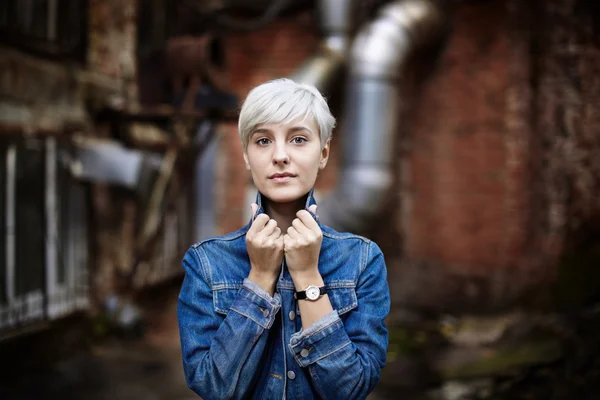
(108, 161)
(379, 53)
(335, 24)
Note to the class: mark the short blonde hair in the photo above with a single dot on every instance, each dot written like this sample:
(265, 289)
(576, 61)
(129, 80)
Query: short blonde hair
(280, 101)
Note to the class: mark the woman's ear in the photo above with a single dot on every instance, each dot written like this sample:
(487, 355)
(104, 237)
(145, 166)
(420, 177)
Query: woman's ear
(325, 154)
(246, 160)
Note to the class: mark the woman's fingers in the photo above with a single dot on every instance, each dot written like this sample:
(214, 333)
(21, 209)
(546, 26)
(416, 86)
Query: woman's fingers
(275, 234)
(253, 207)
(258, 224)
(278, 238)
(268, 229)
(300, 227)
(308, 220)
(292, 233)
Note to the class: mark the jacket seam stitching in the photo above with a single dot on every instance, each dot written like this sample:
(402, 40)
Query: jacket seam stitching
(227, 286)
(351, 236)
(365, 259)
(348, 308)
(204, 265)
(341, 284)
(221, 238)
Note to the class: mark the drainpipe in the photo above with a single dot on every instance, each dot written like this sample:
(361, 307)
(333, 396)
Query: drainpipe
(335, 24)
(379, 53)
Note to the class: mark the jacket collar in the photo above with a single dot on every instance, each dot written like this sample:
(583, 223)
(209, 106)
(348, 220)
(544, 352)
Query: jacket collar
(310, 200)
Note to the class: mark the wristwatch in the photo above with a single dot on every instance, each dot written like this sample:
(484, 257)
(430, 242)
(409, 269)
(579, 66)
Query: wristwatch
(311, 293)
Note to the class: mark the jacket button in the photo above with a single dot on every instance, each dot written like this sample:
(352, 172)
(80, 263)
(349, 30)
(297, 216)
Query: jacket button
(292, 315)
(265, 312)
(291, 375)
(304, 353)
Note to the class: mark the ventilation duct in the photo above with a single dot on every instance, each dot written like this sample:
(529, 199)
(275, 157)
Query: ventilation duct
(372, 109)
(335, 24)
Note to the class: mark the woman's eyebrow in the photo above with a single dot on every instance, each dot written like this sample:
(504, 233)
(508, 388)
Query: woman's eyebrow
(260, 130)
(295, 129)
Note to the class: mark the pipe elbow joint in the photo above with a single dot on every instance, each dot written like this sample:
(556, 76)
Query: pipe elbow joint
(381, 48)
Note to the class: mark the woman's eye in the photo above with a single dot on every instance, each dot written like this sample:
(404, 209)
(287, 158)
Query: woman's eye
(262, 142)
(299, 140)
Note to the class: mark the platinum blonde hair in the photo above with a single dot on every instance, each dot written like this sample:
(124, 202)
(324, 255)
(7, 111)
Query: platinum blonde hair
(281, 101)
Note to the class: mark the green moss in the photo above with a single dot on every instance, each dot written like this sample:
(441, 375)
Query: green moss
(403, 341)
(504, 361)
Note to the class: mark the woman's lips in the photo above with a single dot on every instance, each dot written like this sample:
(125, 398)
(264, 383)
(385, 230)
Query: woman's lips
(282, 178)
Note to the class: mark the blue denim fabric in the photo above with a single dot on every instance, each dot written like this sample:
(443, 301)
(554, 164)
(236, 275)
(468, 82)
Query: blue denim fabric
(239, 342)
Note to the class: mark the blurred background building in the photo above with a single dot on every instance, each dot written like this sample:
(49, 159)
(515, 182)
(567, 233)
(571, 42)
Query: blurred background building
(467, 148)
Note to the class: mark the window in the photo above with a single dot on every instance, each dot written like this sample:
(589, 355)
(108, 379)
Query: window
(30, 224)
(44, 247)
(3, 223)
(55, 28)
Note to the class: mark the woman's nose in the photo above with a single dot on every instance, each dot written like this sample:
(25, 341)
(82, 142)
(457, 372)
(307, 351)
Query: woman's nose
(281, 156)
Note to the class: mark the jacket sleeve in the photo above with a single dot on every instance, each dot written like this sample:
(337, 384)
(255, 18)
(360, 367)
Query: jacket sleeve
(221, 354)
(345, 359)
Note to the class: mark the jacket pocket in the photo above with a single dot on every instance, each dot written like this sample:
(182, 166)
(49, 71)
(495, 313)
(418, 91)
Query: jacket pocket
(224, 296)
(342, 296)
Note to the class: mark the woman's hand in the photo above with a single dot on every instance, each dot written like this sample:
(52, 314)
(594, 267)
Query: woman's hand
(302, 245)
(264, 244)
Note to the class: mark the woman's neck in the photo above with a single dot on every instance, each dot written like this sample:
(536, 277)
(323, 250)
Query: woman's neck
(284, 213)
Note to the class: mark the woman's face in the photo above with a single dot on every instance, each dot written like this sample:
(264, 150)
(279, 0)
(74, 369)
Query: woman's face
(284, 159)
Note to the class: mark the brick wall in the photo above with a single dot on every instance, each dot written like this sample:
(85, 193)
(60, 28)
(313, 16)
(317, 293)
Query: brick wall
(501, 171)
(462, 190)
(459, 152)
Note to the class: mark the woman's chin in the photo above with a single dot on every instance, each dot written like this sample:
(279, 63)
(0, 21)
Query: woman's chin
(284, 195)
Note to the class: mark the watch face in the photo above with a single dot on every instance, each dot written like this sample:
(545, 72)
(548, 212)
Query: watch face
(312, 292)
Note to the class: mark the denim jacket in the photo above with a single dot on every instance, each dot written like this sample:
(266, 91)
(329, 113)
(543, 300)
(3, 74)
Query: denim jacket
(239, 342)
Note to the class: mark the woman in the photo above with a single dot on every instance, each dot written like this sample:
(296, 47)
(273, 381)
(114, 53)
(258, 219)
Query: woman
(285, 307)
